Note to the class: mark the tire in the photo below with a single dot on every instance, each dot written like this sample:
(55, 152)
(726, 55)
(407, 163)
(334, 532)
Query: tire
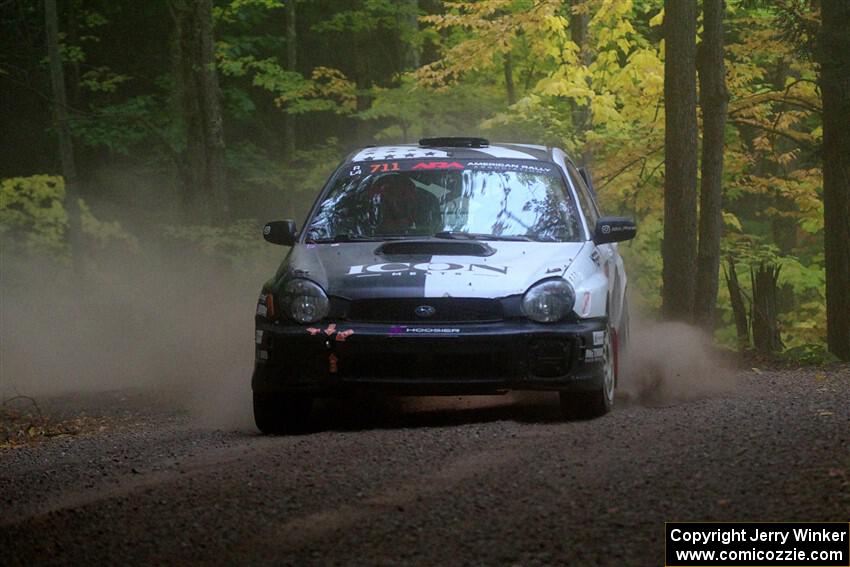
(282, 414)
(599, 401)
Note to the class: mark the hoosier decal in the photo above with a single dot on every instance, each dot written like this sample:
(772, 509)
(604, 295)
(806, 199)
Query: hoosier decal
(405, 330)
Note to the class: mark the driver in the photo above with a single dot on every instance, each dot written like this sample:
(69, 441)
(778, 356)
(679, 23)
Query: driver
(400, 207)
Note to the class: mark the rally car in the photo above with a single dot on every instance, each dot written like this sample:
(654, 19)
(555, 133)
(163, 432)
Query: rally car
(454, 266)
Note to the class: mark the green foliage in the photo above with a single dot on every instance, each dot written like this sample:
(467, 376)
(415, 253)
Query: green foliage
(33, 219)
(245, 11)
(602, 101)
(235, 247)
(312, 167)
(238, 103)
(290, 186)
(810, 353)
(370, 16)
(801, 290)
(102, 79)
(33, 222)
(644, 263)
(125, 127)
(326, 90)
(410, 111)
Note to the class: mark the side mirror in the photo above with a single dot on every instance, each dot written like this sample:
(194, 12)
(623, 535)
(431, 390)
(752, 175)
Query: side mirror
(614, 229)
(588, 180)
(280, 232)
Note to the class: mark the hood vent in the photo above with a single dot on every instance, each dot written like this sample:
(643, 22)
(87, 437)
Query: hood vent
(434, 248)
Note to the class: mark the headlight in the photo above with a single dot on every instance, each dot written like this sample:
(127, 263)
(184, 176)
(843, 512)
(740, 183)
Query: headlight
(548, 301)
(304, 301)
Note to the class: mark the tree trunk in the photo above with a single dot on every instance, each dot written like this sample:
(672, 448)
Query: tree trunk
(509, 78)
(204, 182)
(765, 280)
(581, 113)
(291, 64)
(411, 21)
(739, 310)
(835, 89)
(73, 39)
(680, 146)
(362, 78)
(66, 148)
(713, 99)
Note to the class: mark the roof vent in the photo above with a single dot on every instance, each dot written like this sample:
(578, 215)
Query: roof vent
(454, 143)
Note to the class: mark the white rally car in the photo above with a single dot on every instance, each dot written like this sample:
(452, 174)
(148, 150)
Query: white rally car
(454, 266)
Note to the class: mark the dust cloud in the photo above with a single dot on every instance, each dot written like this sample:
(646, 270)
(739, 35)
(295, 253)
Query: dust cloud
(181, 324)
(668, 363)
(175, 323)
(665, 364)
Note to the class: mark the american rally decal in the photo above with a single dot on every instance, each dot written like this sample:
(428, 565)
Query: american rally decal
(540, 168)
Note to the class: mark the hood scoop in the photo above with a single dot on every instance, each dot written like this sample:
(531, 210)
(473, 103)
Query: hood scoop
(434, 248)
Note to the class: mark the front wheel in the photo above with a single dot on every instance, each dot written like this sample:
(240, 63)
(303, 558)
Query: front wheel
(600, 400)
(281, 414)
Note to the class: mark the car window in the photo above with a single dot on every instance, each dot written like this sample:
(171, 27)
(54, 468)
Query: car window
(410, 198)
(588, 205)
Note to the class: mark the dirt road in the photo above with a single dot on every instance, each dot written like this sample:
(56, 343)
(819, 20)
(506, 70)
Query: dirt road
(448, 482)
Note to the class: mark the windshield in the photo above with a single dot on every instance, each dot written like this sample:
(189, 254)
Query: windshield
(509, 200)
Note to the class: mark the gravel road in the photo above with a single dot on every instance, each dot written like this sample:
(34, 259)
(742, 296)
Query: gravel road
(445, 482)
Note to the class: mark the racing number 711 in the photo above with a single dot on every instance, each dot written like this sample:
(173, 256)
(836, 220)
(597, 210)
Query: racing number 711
(376, 167)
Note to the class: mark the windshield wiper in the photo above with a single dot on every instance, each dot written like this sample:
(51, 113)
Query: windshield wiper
(359, 238)
(342, 238)
(459, 235)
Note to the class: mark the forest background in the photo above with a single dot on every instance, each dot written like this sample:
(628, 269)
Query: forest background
(190, 123)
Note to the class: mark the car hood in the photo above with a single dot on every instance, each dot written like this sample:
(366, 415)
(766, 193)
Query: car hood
(430, 268)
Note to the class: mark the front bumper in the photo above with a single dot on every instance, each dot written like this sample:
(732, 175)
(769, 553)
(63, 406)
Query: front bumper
(467, 358)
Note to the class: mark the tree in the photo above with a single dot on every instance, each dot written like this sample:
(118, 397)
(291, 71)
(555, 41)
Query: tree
(586, 75)
(202, 169)
(680, 148)
(713, 100)
(66, 147)
(510, 89)
(291, 64)
(835, 89)
(409, 30)
(579, 20)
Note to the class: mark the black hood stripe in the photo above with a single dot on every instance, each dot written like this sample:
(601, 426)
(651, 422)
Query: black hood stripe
(353, 270)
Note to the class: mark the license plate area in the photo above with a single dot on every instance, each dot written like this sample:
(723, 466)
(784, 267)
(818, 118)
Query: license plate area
(441, 360)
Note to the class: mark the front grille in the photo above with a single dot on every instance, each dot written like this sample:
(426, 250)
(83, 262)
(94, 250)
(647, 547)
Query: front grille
(424, 366)
(446, 310)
